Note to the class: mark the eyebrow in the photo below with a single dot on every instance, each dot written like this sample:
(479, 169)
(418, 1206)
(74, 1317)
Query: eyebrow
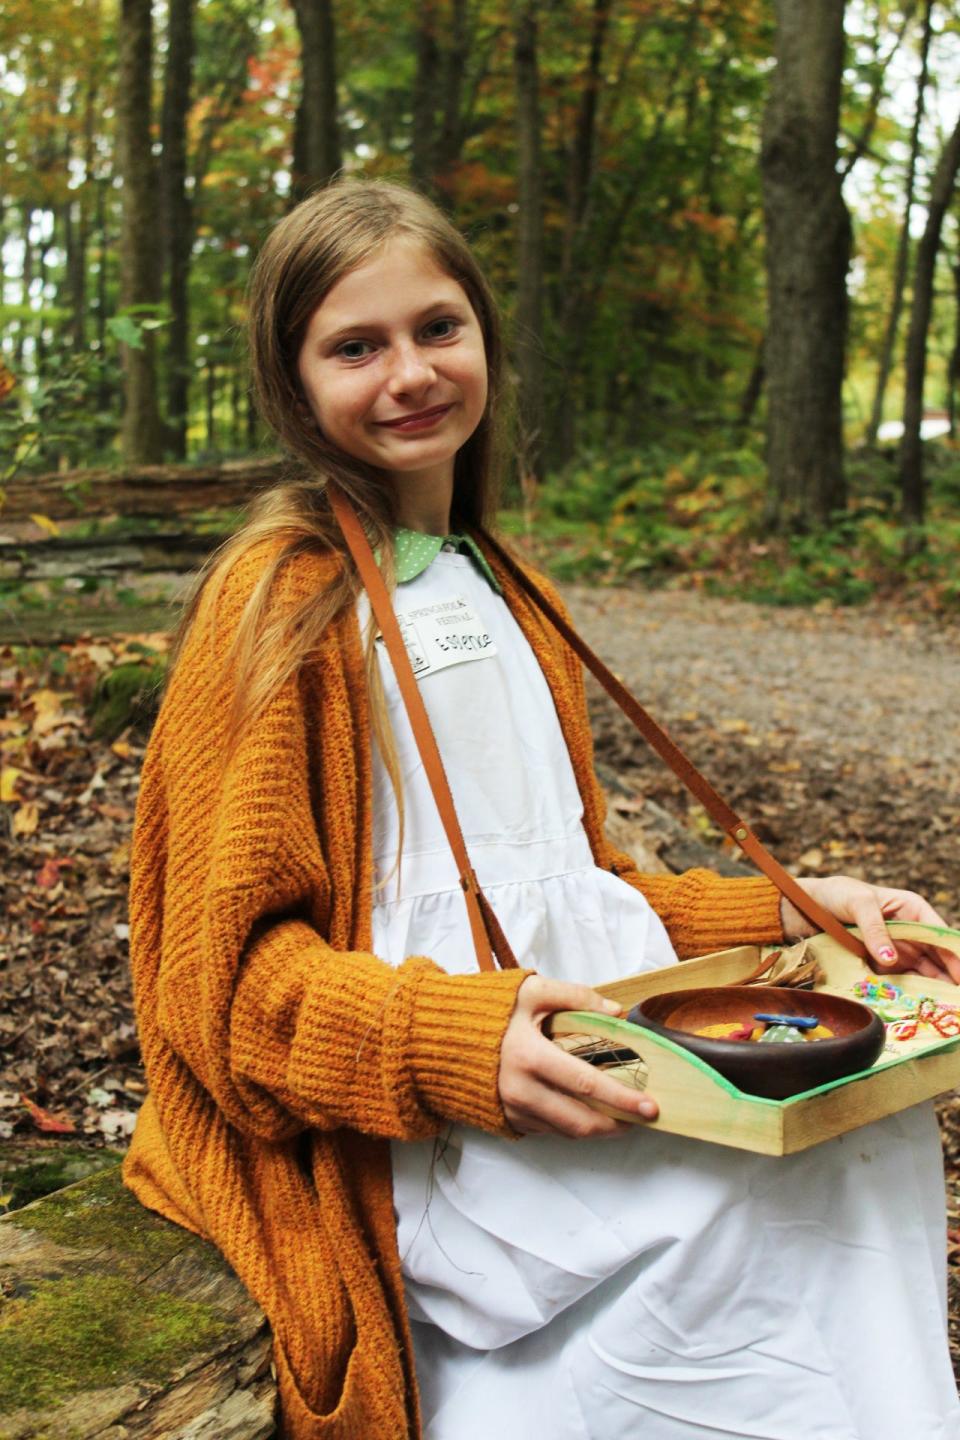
(452, 303)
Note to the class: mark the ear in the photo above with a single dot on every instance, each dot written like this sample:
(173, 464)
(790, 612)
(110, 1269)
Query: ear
(300, 404)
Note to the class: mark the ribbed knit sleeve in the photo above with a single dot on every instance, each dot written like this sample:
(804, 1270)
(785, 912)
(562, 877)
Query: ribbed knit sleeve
(704, 911)
(241, 926)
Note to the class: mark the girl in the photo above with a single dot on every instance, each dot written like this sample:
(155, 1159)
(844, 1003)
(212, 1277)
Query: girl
(333, 1083)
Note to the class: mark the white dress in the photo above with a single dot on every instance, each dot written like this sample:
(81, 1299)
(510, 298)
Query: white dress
(645, 1286)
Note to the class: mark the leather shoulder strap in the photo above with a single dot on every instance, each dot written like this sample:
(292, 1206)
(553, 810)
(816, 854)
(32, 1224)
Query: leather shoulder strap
(655, 736)
(488, 937)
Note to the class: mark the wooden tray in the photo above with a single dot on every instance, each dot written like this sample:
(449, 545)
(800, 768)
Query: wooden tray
(696, 1101)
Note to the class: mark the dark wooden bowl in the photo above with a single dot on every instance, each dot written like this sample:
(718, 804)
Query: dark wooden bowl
(775, 1071)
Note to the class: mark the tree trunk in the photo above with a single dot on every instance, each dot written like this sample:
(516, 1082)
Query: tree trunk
(177, 218)
(575, 310)
(316, 137)
(580, 171)
(753, 391)
(26, 281)
(528, 339)
(903, 245)
(141, 437)
(211, 397)
(953, 369)
(78, 281)
(449, 141)
(808, 252)
(426, 83)
(912, 486)
(105, 396)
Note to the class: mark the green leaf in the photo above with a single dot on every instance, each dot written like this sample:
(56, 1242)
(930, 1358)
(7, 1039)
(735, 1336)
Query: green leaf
(126, 331)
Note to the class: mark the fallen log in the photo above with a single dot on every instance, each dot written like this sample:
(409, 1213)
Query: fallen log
(117, 1325)
(101, 555)
(149, 490)
(62, 627)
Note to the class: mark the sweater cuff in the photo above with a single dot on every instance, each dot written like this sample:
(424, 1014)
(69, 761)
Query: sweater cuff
(729, 912)
(456, 1031)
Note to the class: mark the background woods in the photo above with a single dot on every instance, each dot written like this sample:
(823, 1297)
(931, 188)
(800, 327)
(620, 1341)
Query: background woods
(725, 238)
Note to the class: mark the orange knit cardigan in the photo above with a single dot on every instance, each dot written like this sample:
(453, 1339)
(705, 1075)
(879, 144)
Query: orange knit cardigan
(281, 1055)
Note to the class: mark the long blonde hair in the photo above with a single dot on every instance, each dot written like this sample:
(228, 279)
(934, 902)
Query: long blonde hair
(331, 232)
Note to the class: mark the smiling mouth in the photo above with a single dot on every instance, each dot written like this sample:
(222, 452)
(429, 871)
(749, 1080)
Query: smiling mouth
(420, 421)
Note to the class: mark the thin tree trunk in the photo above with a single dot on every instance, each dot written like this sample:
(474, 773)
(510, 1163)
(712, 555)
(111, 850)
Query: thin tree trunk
(105, 397)
(78, 286)
(751, 395)
(903, 245)
(574, 312)
(449, 142)
(580, 172)
(41, 341)
(528, 345)
(808, 252)
(426, 84)
(861, 143)
(177, 218)
(26, 281)
(953, 369)
(211, 405)
(141, 437)
(912, 484)
(317, 155)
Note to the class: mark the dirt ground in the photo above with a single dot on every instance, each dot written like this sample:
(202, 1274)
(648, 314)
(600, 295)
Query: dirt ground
(833, 732)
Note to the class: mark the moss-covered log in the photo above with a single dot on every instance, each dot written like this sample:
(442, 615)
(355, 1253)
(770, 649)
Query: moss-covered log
(118, 1325)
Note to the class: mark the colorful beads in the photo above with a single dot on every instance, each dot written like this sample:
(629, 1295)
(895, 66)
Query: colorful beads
(903, 1015)
(877, 990)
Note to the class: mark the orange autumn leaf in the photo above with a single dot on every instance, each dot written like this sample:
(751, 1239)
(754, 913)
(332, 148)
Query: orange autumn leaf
(49, 873)
(7, 381)
(44, 1120)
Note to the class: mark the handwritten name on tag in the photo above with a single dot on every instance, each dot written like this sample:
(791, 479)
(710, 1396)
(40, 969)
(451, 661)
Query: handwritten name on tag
(448, 632)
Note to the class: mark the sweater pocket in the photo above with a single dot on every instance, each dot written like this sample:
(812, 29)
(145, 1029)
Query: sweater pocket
(372, 1401)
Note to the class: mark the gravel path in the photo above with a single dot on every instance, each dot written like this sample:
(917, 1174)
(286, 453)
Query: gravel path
(862, 685)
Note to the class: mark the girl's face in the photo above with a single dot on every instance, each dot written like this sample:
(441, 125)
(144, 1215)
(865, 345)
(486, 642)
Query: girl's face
(393, 365)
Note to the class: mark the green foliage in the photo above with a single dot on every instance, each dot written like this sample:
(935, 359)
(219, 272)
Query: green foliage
(59, 416)
(697, 517)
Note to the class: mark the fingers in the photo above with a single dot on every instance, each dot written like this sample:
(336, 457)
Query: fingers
(539, 997)
(545, 1090)
(540, 1080)
(869, 907)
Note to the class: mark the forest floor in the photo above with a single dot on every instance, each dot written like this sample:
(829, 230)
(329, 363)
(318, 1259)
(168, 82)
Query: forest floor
(833, 731)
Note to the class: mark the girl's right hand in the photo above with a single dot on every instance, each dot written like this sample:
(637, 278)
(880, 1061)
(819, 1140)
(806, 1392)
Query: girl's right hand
(543, 1090)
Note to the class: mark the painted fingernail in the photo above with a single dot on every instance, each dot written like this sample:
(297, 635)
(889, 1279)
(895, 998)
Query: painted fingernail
(887, 952)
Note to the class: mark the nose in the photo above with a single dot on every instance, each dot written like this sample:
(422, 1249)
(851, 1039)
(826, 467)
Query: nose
(411, 370)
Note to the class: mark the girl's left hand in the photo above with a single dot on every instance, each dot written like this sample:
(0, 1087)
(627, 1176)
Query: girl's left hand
(854, 902)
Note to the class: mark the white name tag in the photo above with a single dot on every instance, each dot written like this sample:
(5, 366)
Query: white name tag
(448, 632)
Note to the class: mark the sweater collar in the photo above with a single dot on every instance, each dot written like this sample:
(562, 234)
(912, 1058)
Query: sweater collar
(413, 552)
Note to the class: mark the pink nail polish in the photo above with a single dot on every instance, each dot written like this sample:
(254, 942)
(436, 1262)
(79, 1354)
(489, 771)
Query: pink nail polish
(887, 952)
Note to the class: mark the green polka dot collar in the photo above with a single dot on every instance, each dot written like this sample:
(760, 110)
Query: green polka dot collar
(413, 552)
